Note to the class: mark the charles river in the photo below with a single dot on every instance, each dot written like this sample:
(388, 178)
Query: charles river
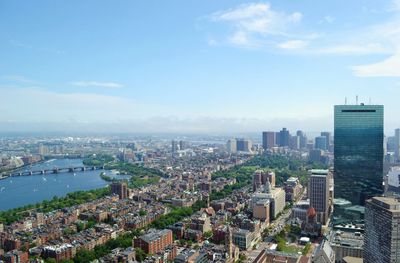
(23, 190)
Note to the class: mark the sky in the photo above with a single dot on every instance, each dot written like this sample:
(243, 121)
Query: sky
(195, 66)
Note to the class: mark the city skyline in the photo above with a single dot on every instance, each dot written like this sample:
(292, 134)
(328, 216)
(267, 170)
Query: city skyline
(220, 67)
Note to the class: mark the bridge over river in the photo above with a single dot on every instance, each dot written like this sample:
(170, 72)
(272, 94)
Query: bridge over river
(57, 170)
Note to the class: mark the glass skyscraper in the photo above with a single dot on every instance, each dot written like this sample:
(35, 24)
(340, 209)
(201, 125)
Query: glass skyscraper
(358, 152)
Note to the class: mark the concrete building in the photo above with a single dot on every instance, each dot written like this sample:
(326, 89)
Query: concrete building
(268, 140)
(261, 210)
(392, 180)
(154, 242)
(292, 188)
(328, 137)
(231, 146)
(346, 242)
(276, 197)
(318, 191)
(201, 223)
(242, 238)
(284, 138)
(323, 253)
(243, 145)
(191, 256)
(320, 143)
(120, 189)
(382, 235)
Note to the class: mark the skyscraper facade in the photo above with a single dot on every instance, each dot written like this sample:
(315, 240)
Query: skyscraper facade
(328, 138)
(268, 139)
(318, 190)
(382, 235)
(358, 152)
(320, 143)
(284, 139)
(397, 144)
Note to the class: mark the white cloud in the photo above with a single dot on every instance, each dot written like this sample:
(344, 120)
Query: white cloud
(111, 85)
(389, 67)
(293, 44)
(239, 38)
(255, 23)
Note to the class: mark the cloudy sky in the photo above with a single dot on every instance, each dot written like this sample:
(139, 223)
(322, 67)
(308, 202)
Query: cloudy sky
(195, 66)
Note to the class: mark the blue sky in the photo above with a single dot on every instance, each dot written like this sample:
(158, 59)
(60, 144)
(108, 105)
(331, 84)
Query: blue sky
(195, 66)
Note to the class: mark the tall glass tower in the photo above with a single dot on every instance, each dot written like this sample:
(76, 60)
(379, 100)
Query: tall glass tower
(358, 152)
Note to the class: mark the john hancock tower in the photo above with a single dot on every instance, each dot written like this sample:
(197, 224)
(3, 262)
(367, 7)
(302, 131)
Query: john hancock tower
(358, 152)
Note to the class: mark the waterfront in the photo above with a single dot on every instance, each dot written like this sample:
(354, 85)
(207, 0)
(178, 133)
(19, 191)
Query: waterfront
(24, 190)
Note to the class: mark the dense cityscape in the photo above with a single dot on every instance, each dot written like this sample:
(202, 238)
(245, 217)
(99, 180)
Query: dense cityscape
(283, 198)
(170, 131)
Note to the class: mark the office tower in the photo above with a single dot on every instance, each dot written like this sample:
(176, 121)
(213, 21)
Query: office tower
(382, 235)
(120, 189)
(243, 145)
(397, 144)
(320, 143)
(284, 139)
(277, 138)
(328, 138)
(231, 146)
(318, 191)
(268, 139)
(358, 152)
(182, 145)
(175, 146)
(303, 139)
(261, 210)
(392, 180)
(294, 142)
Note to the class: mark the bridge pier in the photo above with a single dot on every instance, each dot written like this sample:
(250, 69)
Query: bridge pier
(55, 171)
(83, 169)
(71, 170)
(42, 172)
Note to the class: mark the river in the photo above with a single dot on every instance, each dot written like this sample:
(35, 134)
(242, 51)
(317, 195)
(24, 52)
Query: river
(24, 190)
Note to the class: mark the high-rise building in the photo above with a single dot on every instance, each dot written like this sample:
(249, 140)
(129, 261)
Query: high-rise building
(120, 188)
(183, 145)
(284, 138)
(295, 142)
(382, 235)
(277, 138)
(175, 146)
(231, 146)
(358, 152)
(303, 139)
(318, 191)
(397, 144)
(243, 145)
(320, 143)
(268, 139)
(328, 138)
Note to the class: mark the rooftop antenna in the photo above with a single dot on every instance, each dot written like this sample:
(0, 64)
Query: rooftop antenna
(345, 100)
(357, 100)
